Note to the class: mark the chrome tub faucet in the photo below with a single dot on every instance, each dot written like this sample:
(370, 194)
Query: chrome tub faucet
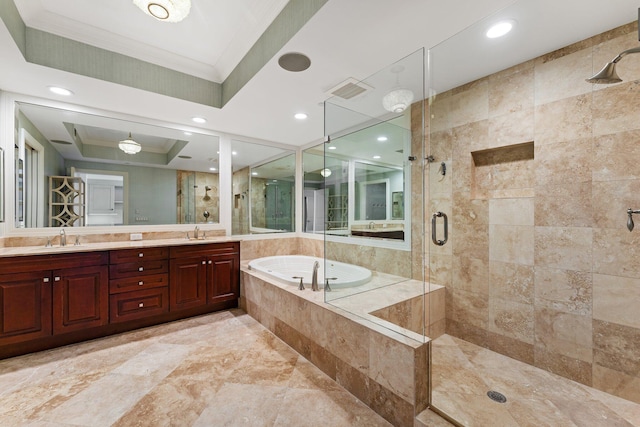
(314, 276)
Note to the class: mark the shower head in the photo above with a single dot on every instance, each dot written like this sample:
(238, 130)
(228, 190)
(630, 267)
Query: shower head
(608, 74)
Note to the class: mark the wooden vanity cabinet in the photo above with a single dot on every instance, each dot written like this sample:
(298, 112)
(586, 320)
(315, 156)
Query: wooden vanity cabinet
(38, 301)
(25, 305)
(204, 274)
(80, 298)
(51, 300)
(139, 283)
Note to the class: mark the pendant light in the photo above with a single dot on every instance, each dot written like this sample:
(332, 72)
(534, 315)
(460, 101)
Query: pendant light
(399, 99)
(129, 146)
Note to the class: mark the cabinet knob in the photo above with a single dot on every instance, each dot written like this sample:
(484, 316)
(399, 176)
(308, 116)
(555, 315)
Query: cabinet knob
(141, 305)
(140, 255)
(210, 262)
(45, 280)
(140, 283)
(204, 262)
(140, 268)
(56, 279)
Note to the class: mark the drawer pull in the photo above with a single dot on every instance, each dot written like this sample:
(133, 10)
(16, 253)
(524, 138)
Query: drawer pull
(140, 305)
(140, 255)
(140, 283)
(45, 280)
(140, 268)
(210, 262)
(56, 279)
(204, 262)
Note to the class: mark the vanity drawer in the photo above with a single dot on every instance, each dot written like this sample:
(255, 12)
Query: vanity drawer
(136, 255)
(137, 283)
(137, 269)
(138, 304)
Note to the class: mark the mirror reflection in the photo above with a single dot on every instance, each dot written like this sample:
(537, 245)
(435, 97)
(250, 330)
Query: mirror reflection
(77, 169)
(1, 185)
(273, 196)
(355, 184)
(263, 188)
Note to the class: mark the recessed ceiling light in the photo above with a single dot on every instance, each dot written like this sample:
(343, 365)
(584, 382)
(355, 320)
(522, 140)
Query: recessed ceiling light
(185, 157)
(333, 147)
(234, 153)
(376, 157)
(188, 133)
(383, 138)
(212, 169)
(500, 29)
(300, 116)
(199, 119)
(254, 173)
(60, 91)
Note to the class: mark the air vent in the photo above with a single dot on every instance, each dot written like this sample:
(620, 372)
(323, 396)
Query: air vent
(349, 88)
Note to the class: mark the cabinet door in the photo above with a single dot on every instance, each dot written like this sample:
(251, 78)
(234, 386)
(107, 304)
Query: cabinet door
(187, 287)
(80, 298)
(223, 280)
(25, 306)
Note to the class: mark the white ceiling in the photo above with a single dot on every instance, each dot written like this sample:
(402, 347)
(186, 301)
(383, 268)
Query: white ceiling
(345, 38)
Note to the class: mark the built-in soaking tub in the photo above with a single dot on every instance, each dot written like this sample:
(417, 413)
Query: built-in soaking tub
(285, 267)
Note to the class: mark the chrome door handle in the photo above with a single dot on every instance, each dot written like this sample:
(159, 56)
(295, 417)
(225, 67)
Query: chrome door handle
(434, 236)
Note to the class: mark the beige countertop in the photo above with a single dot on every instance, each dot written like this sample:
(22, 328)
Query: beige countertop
(105, 246)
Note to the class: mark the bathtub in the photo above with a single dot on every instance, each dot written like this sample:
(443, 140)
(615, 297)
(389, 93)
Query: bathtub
(284, 267)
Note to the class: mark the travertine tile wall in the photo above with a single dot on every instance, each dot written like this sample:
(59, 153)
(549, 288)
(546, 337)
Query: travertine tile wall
(202, 200)
(549, 275)
(240, 217)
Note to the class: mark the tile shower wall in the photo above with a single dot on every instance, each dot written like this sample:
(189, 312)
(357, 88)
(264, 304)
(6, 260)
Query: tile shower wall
(541, 266)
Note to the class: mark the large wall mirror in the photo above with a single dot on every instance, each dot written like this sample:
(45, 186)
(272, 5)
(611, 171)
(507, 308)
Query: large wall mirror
(263, 188)
(1, 185)
(355, 184)
(78, 170)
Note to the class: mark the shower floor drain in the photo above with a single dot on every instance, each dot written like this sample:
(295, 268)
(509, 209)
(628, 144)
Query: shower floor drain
(496, 396)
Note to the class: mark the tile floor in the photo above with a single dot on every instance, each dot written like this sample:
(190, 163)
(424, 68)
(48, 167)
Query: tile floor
(463, 373)
(222, 369)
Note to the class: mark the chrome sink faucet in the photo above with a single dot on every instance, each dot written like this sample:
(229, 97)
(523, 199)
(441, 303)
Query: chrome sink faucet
(314, 276)
(63, 238)
(196, 232)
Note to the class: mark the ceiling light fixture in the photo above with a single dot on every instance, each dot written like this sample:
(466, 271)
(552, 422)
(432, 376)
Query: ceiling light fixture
(165, 10)
(326, 172)
(376, 157)
(199, 119)
(60, 91)
(300, 116)
(129, 146)
(398, 99)
(332, 147)
(382, 138)
(500, 29)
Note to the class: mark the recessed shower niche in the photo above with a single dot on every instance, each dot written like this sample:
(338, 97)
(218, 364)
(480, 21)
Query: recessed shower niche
(503, 172)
